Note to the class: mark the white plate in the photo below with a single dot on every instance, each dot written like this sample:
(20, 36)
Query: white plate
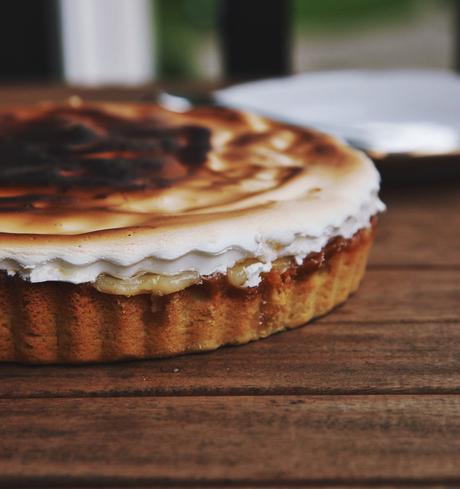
(411, 112)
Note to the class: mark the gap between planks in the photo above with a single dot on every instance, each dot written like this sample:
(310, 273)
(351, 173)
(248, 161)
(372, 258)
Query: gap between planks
(237, 392)
(415, 266)
(109, 483)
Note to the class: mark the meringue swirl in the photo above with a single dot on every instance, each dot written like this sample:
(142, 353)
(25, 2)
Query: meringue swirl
(126, 189)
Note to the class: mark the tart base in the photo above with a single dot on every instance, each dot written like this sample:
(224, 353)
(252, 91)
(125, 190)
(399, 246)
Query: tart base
(56, 322)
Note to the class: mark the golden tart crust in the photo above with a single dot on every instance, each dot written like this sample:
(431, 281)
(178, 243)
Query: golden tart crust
(55, 322)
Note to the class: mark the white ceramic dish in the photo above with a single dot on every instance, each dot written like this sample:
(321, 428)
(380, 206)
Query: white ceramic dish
(415, 113)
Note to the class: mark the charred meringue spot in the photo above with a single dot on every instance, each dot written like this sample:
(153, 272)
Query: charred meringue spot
(32, 201)
(66, 147)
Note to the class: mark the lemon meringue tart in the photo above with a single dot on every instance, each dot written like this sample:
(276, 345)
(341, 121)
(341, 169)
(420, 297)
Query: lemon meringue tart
(129, 231)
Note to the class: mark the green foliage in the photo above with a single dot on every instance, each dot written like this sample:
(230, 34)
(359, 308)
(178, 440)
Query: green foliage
(325, 16)
(180, 25)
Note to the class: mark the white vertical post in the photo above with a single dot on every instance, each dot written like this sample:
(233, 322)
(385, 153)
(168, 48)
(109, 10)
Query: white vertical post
(107, 41)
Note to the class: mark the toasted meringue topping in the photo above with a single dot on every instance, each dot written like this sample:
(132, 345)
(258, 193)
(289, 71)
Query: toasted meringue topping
(125, 190)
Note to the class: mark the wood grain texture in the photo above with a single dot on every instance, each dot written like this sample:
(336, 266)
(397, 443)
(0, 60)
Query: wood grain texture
(362, 438)
(402, 238)
(403, 295)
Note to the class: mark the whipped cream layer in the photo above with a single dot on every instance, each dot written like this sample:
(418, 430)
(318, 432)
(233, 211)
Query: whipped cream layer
(125, 190)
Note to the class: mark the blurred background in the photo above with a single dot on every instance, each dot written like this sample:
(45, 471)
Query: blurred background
(91, 42)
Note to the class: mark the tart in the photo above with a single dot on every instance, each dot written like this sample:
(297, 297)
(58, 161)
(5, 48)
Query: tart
(131, 231)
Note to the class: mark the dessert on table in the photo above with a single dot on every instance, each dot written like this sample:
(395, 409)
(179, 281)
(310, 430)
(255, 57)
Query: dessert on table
(129, 231)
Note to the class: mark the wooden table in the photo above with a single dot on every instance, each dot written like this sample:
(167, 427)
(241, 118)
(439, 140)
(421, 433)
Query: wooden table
(366, 396)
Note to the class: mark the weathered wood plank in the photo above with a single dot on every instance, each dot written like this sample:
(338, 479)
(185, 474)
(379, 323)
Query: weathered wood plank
(418, 237)
(361, 438)
(403, 295)
(438, 196)
(317, 359)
